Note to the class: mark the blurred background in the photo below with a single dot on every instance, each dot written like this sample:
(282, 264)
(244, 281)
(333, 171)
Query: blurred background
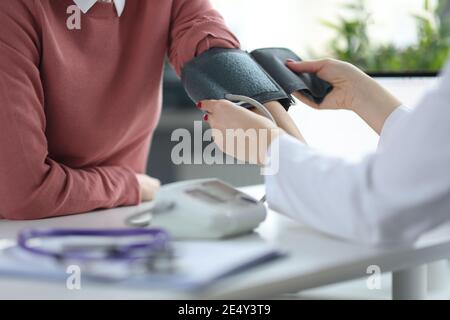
(402, 43)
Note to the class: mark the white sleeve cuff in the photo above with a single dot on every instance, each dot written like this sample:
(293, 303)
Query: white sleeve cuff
(392, 122)
(281, 152)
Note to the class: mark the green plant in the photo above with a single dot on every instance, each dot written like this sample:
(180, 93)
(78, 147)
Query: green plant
(352, 42)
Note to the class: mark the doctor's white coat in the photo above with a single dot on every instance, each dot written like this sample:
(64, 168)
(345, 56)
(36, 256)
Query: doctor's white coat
(390, 198)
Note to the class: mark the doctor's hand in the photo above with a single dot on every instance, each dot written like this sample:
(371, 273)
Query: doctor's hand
(239, 132)
(148, 186)
(352, 90)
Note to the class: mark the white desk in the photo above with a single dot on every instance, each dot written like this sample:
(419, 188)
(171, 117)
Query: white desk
(314, 260)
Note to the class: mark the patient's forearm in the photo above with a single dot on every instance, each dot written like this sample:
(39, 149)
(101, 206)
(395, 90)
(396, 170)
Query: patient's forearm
(283, 119)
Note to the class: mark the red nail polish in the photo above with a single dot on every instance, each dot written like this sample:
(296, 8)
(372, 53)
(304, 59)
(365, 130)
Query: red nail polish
(205, 117)
(199, 105)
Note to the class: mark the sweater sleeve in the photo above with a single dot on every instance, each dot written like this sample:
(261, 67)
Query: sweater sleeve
(32, 185)
(196, 27)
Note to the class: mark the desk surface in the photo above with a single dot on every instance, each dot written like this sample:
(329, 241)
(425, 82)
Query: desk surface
(314, 260)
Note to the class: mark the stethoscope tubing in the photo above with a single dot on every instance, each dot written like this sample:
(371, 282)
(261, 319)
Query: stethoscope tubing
(159, 240)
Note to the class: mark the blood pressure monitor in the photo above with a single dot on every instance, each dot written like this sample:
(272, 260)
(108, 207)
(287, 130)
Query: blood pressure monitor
(202, 209)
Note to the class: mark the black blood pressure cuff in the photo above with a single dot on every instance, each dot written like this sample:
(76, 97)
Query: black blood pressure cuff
(273, 60)
(218, 72)
(261, 75)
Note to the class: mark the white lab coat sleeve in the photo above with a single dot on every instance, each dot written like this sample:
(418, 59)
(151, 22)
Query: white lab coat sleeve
(390, 198)
(399, 115)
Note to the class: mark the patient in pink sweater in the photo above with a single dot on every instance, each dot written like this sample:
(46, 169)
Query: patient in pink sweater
(79, 103)
(80, 97)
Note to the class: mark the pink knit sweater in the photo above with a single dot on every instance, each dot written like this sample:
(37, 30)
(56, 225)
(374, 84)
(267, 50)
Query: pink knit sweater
(78, 107)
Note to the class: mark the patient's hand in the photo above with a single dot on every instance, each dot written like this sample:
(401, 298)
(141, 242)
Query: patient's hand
(353, 90)
(230, 121)
(149, 186)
